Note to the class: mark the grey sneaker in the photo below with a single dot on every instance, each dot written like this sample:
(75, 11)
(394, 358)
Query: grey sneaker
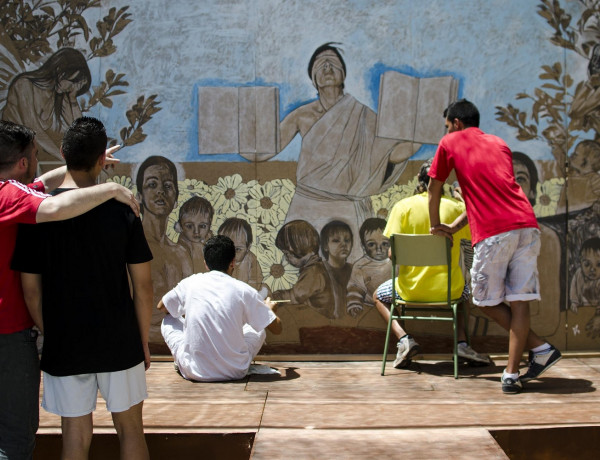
(467, 353)
(407, 348)
(511, 386)
(540, 363)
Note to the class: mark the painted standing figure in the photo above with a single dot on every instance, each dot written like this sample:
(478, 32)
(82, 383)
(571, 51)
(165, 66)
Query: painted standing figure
(342, 162)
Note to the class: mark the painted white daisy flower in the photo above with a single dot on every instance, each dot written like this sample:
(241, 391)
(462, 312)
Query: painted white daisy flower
(194, 187)
(277, 271)
(125, 181)
(229, 194)
(264, 202)
(384, 202)
(548, 194)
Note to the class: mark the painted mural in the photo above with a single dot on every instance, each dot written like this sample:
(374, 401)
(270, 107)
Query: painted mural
(295, 133)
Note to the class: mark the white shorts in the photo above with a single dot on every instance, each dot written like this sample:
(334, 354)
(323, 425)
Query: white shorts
(75, 395)
(505, 268)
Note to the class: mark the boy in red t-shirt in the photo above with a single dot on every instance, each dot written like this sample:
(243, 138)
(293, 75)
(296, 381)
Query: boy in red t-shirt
(505, 235)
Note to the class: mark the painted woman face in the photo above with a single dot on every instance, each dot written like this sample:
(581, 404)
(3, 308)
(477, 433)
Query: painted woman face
(158, 192)
(339, 246)
(70, 84)
(377, 245)
(327, 70)
(590, 264)
(195, 226)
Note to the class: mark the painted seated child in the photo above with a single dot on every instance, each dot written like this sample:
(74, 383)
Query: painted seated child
(299, 242)
(370, 270)
(584, 177)
(195, 217)
(585, 285)
(336, 246)
(246, 268)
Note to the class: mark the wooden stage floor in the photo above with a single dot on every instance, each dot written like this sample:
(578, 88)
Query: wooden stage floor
(347, 410)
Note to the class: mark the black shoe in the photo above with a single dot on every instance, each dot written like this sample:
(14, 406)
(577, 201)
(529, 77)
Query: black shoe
(540, 363)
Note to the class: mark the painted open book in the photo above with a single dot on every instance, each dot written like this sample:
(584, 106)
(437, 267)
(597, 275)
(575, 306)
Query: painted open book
(242, 120)
(411, 108)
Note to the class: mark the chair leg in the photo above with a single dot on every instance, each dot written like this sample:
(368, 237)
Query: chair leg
(454, 328)
(387, 338)
(465, 307)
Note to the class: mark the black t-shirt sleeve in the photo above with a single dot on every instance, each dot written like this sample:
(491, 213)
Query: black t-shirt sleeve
(26, 257)
(138, 250)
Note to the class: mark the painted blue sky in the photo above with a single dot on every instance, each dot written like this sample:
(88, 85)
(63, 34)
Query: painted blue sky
(494, 47)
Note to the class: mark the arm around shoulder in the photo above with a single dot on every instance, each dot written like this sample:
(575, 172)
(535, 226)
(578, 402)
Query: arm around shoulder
(76, 202)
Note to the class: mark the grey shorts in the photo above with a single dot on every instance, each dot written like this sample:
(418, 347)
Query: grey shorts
(505, 268)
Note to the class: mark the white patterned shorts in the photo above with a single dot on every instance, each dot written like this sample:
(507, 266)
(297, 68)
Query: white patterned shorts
(505, 268)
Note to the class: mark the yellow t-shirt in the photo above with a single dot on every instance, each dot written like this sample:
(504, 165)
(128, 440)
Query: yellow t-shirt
(411, 216)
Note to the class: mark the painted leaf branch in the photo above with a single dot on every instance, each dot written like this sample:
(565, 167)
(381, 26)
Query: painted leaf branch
(37, 28)
(109, 27)
(552, 103)
(139, 114)
(102, 94)
(548, 104)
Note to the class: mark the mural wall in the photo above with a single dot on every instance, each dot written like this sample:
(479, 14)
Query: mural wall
(294, 127)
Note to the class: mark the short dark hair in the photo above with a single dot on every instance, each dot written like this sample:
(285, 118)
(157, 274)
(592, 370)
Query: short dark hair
(591, 244)
(464, 111)
(326, 47)
(370, 225)
(234, 225)
(520, 157)
(156, 160)
(14, 140)
(197, 205)
(330, 229)
(83, 143)
(219, 252)
(423, 177)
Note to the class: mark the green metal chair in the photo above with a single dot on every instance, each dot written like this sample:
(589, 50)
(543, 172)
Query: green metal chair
(421, 251)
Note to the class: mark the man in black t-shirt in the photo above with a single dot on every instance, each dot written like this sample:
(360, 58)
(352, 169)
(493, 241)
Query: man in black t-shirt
(75, 283)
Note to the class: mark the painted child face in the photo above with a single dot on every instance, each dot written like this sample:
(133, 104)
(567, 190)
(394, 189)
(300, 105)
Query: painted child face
(376, 245)
(523, 179)
(195, 226)
(584, 160)
(590, 264)
(158, 193)
(339, 246)
(241, 245)
(295, 261)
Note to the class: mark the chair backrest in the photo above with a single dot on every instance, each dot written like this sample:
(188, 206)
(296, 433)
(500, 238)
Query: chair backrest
(420, 250)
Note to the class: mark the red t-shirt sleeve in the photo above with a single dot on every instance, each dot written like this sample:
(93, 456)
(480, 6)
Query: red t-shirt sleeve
(440, 167)
(19, 202)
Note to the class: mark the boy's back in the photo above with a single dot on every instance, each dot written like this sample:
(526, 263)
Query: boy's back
(483, 164)
(88, 311)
